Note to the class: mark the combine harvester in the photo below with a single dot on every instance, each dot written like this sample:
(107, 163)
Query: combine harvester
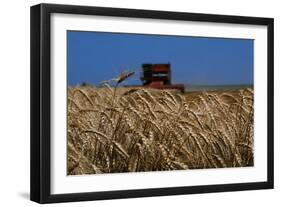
(159, 76)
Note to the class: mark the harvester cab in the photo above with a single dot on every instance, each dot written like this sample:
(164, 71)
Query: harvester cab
(159, 76)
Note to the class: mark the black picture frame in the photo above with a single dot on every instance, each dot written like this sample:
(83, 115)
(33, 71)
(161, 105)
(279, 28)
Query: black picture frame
(41, 99)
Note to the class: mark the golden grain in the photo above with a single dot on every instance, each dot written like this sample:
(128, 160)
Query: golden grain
(140, 129)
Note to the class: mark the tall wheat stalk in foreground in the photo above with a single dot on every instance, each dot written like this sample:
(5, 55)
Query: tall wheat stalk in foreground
(113, 129)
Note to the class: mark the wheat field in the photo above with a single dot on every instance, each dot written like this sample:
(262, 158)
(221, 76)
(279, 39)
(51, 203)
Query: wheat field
(113, 129)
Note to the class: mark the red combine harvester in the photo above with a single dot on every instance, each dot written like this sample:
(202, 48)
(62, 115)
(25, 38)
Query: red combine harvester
(159, 76)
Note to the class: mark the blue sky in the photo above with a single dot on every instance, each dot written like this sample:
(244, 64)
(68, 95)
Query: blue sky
(93, 57)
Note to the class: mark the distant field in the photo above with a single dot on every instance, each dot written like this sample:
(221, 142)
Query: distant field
(113, 130)
(191, 88)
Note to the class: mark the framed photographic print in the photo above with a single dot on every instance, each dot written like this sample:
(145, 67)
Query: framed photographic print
(133, 103)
